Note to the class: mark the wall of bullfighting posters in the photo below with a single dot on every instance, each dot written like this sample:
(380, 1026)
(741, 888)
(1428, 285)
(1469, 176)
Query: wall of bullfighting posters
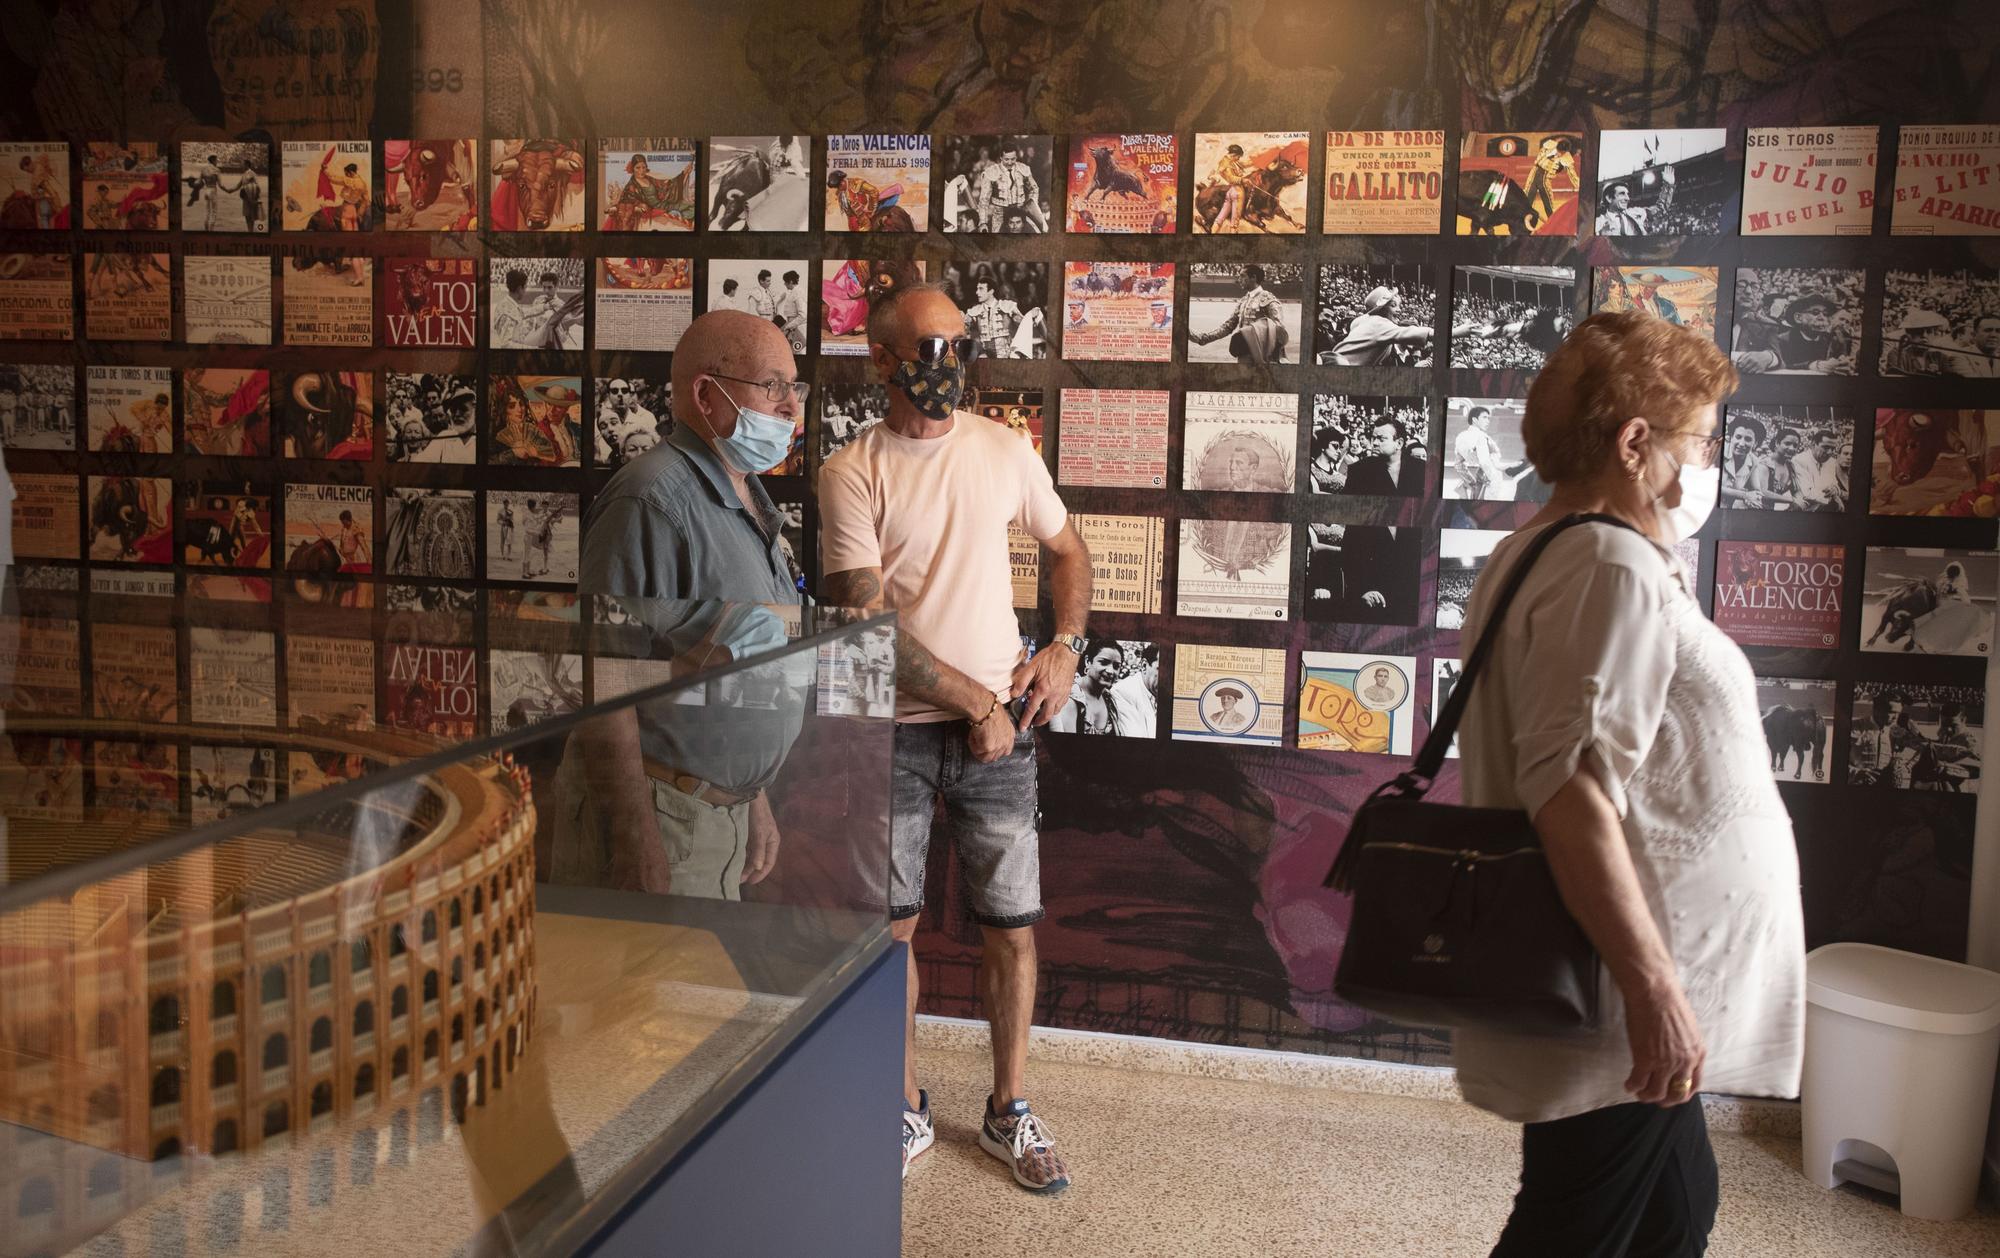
(335, 295)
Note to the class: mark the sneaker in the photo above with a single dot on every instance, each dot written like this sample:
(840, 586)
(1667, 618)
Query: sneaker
(1028, 1147)
(918, 1134)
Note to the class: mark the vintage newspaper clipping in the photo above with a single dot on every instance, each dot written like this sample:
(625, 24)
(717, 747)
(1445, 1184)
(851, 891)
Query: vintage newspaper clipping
(1239, 442)
(128, 295)
(1229, 694)
(1947, 182)
(1365, 703)
(1128, 555)
(1114, 437)
(1383, 183)
(1236, 569)
(37, 301)
(644, 303)
(228, 299)
(1809, 181)
(330, 300)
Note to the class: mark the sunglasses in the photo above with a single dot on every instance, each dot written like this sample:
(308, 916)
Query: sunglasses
(930, 350)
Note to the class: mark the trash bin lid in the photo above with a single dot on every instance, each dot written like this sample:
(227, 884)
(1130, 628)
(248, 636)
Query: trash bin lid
(1903, 989)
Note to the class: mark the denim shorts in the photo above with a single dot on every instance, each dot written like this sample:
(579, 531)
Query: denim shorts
(991, 816)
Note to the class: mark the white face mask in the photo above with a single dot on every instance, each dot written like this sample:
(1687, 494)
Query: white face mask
(1700, 487)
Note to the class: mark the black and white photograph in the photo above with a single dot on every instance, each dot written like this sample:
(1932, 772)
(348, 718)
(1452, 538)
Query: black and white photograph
(1248, 313)
(431, 417)
(770, 288)
(857, 677)
(535, 303)
(1376, 316)
(1941, 323)
(1485, 459)
(38, 406)
(1370, 444)
(1363, 574)
(226, 781)
(430, 532)
(998, 184)
(435, 600)
(1787, 458)
(1929, 602)
(531, 536)
(1798, 726)
(1462, 556)
(225, 186)
(1916, 737)
(1666, 182)
(634, 414)
(759, 183)
(1116, 691)
(531, 686)
(1510, 316)
(1005, 305)
(1797, 321)
(849, 405)
(1444, 679)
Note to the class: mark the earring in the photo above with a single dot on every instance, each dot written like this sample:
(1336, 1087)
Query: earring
(1632, 472)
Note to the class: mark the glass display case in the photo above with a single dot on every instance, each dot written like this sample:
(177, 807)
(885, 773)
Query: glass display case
(276, 974)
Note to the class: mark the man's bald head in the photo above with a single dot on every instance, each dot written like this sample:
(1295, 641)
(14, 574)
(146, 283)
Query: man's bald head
(729, 343)
(920, 310)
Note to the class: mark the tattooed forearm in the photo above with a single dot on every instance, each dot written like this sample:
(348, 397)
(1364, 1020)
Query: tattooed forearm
(917, 670)
(857, 587)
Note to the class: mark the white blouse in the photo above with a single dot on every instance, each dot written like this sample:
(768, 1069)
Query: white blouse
(1606, 663)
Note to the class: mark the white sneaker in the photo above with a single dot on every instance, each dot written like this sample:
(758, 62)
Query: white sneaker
(918, 1133)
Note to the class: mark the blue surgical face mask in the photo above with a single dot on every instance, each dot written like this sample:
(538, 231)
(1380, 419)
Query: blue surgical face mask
(759, 443)
(756, 630)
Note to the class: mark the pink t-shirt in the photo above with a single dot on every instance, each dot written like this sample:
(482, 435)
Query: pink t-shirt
(933, 515)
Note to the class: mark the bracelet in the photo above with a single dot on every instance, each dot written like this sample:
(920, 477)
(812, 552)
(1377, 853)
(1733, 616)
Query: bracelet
(995, 707)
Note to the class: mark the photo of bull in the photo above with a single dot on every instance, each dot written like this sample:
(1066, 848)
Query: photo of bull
(534, 185)
(118, 511)
(314, 568)
(1914, 441)
(1914, 602)
(425, 169)
(1107, 177)
(216, 542)
(1490, 198)
(1261, 197)
(1802, 730)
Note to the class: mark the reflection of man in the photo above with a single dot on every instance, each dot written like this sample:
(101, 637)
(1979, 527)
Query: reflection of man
(1228, 716)
(1376, 333)
(1620, 217)
(1256, 328)
(1380, 691)
(671, 804)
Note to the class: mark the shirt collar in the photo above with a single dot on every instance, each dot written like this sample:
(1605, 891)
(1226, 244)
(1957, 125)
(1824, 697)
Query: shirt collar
(706, 461)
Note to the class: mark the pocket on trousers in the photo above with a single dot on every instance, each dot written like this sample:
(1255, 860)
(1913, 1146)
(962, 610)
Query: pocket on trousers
(678, 816)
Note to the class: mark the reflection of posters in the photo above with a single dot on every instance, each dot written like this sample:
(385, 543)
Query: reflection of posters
(328, 415)
(1789, 458)
(226, 300)
(634, 414)
(1947, 182)
(1462, 556)
(329, 683)
(1916, 737)
(1797, 321)
(773, 289)
(1811, 181)
(427, 185)
(536, 303)
(129, 410)
(536, 185)
(225, 526)
(428, 303)
(224, 781)
(329, 300)
(843, 299)
(1115, 693)
(1445, 676)
(758, 183)
(1240, 442)
(133, 674)
(124, 186)
(1485, 458)
(1024, 560)
(36, 300)
(995, 183)
(1114, 437)
(531, 686)
(34, 179)
(232, 677)
(1250, 181)
(45, 516)
(646, 185)
(1118, 311)
(38, 406)
(1941, 323)
(1510, 316)
(132, 584)
(1929, 602)
(430, 689)
(1779, 593)
(226, 186)
(1365, 703)
(226, 411)
(128, 296)
(1364, 574)
(45, 662)
(1383, 183)
(1227, 694)
(537, 421)
(329, 536)
(1682, 295)
(430, 533)
(531, 536)
(878, 183)
(1665, 182)
(643, 303)
(1127, 561)
(429, 417)
(1019, 409)
(1798, 726)
(1246, 313)
(1521, 183)
(1240, 569)
(1124, 184)
(44, 775)
(1935, 462)
(327, 185)
(135, 777)
(131, 519)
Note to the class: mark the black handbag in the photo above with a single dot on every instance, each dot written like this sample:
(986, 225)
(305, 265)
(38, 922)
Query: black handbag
(1456, 919)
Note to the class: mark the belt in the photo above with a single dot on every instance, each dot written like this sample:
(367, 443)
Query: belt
(694, 787)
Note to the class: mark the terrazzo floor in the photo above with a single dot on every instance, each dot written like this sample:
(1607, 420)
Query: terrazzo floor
(1169, 1165)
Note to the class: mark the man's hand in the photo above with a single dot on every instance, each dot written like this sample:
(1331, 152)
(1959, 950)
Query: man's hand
(1045, 682)
(993, 738)
(763, 855)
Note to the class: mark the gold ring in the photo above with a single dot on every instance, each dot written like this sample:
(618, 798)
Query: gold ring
(1680, 1085)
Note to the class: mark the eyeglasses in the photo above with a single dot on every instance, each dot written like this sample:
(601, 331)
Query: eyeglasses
(930, 350)
(775, 390)
(1711, 443)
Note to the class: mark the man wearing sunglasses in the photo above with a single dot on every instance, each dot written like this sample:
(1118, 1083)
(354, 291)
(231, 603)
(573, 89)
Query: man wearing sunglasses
(913, 516)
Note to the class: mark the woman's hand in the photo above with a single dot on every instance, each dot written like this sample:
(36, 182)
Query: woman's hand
(1667, 1050)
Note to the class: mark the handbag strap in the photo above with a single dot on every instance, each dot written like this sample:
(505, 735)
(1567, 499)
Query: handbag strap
(1445, 727)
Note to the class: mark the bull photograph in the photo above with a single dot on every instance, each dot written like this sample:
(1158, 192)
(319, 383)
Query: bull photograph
(1929, 602)
(1798, 725)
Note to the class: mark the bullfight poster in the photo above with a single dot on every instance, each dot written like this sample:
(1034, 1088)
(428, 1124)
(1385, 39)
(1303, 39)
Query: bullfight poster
(329, 537)
(1383, 183)
(1024, 565)
(328, 299)
(431, 689)
(1936, 461)
(878, 183)
(1665, 182)
(37, 299)
(227, 186)
(428, 303)
(328, 185)
(758, 183)
(226, 411)
(1250, 181)
(128, 295)
(125, 186)
(1114, 437)
(1518, 183)
(128, 410)
(226, 299)
(535, 303)
(1947, 182)
(330, 683)
(535, 185)
(133, 674)
(1127, 561)
(46, 515)
(429, 185)
(131, 519)
(1358, 703)
(1243, 443)
(1124, 184)
(225, 524)
(1784, 594)
(844, 286)
(1118, 311)
(1682, 295)
(1229, 694)
(35, 175)
(1928, 601)
(1809, 181)
(643, 303)
(327, 415)
(646, 184)
(232, 677)
(1235, 569)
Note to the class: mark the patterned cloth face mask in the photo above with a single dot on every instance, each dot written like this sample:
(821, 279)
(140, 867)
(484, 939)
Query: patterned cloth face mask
(934, 380)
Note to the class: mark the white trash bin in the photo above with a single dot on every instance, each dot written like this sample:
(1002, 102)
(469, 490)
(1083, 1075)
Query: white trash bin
(1900, 1055)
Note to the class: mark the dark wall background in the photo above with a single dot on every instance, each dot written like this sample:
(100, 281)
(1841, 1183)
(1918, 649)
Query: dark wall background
(1182, 879)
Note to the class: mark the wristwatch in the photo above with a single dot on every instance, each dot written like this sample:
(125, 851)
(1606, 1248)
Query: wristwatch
(1073, 641)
